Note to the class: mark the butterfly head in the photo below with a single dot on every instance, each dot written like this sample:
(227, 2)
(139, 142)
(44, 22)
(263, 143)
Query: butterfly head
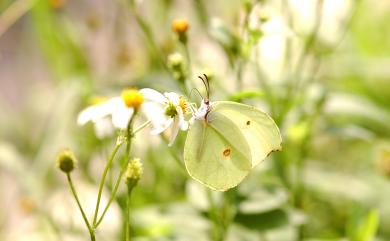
(204, 109)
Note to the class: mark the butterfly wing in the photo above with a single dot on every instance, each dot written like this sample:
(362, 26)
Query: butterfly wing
(259, 130)
(217, 157)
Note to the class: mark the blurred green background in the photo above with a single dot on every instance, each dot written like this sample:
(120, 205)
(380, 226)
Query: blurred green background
(320, 68)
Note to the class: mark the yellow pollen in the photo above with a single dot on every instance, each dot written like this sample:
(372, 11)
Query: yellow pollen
(183, 104)
(180, 26)
(132, 98)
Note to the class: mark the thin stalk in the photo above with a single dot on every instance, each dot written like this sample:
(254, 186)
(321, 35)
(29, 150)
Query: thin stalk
(148, 34)
(113, 195)
(309, 43)
(139, 128)
(213, 213)
(201, 12)
(188, 84)
(127, 219)
(268, 92)
(72, 188)
(130, 135)
(239, 82)
(103, 180)
(14, 12)
(188, 58)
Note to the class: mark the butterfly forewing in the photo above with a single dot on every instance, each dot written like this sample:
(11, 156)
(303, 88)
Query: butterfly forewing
(259, 130)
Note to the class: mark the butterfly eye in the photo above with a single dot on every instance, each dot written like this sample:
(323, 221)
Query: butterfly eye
(226, 152)
(248, 123)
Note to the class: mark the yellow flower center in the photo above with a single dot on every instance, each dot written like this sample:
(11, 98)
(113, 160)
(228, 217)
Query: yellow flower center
(183, 104)
(180, 26)
(132, 98)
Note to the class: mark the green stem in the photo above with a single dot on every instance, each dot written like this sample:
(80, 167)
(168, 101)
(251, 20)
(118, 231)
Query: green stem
(293, 87)
(139, 128)
(113, 195)
(201, 11)
(103, 180)
(239, 82)
(188, 57)
(268, 91)
(72, 188)
(130, 133)
(148, 35)
(13, 13)
(127, 219)
(218, 230)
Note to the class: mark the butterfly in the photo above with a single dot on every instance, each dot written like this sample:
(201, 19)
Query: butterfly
(226, 140)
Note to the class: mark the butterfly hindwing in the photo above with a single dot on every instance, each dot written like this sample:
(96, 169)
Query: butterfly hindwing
(214, 159)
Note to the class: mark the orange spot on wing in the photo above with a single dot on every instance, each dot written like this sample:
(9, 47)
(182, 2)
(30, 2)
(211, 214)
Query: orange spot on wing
(226, 152)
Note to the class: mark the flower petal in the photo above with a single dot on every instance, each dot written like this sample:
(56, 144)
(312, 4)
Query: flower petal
(88, 114)
(121, 116)
(173, 97)
(182, 122)
(103, 128)
(96, 112)
(160, 129)
(153, 95)
(175, 130)
(155, 113)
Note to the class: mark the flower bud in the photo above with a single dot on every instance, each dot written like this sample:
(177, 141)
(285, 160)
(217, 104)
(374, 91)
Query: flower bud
(176, 65)
(66, 161)
(180, 27)
(133, 172)
(175, 61)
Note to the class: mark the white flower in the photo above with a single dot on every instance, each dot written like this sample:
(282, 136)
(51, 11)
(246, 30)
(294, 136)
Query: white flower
(166, 111)
(117, 110)
(163, 110)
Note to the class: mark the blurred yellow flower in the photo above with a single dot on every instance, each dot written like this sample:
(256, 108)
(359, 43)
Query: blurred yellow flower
(132, 98)
(180, 26)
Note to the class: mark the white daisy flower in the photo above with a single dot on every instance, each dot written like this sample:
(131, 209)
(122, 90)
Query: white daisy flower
(163, 110)
(117, 110)
(166, 111)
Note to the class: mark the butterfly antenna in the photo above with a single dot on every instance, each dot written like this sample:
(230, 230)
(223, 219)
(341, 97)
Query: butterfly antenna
(206, 85)
(197, 91)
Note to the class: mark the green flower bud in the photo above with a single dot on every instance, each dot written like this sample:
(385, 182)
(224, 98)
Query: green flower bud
(66, 161)
(133, 172)
(175, 61)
